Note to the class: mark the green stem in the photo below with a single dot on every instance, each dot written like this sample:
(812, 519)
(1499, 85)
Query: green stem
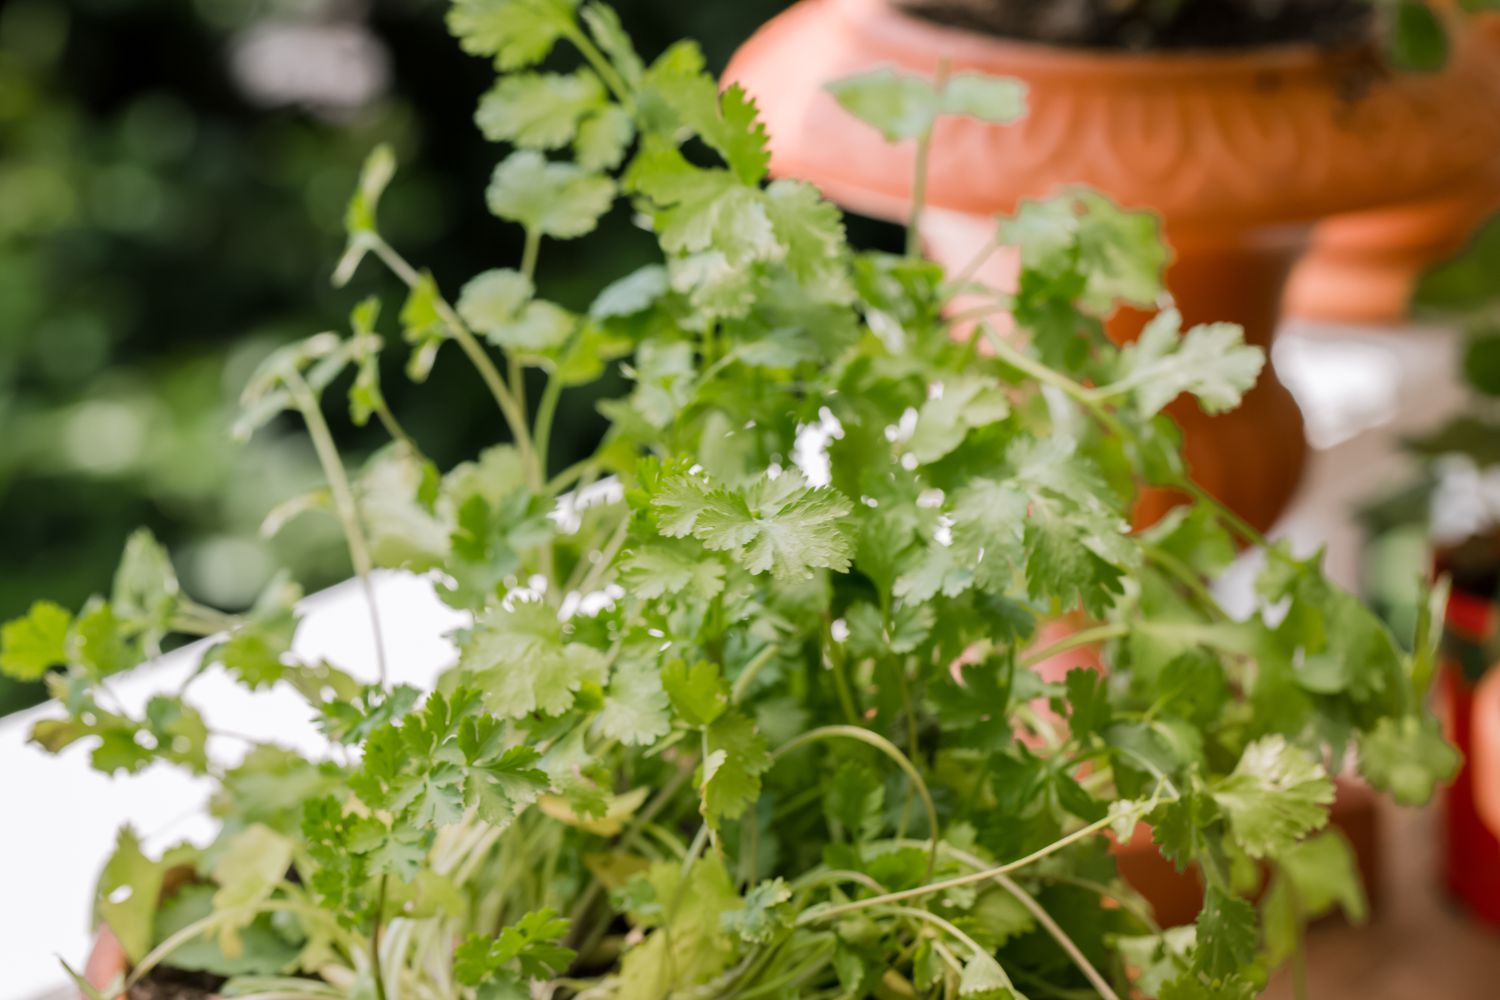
(529, 253)
(515, 415)
(973, 878)
(1247, 531)
(1191, 582)
(841, 686)
(886, 747)
(1083, 637)
(601, 65)
(574, 473)
(375, 941)
(394, 429)
(918, 195)
(1041, 373)
(343, 501)
(594, 573)
(742, 682)
(546, 412)
(919, 175)
(1055, 931)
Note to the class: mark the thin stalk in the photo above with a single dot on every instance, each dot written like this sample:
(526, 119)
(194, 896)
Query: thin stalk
(886, 747)
(593, 574)
(919, 176)
(1066, 943)
(1300, 987)
(1247, 531)
(845, 693)
(946, 926)
(1190, 581)
(971, 879)
(1051, 926)
(567, 477)
(918, 195)
(546, 412)
(515, 415)
(601, 65)
(1041, 373)
(1083, 637)
(971, 268)
(743, 681)
(529, 253)
(375, 941)
(394, 429)
(343, 502)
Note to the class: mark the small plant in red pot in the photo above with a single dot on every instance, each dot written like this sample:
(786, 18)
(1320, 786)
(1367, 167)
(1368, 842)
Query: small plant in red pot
(745, 704)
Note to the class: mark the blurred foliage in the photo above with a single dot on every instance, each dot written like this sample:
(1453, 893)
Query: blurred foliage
(172, 178)
(1451, 504)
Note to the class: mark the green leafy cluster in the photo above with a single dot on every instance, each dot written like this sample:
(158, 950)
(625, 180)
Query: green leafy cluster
(754, 695)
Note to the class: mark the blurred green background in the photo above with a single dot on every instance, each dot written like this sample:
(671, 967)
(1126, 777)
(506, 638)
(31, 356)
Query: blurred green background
(172, 182)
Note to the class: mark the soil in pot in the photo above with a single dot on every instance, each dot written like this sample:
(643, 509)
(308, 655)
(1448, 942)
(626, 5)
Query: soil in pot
(1142, 24)
(174, 984)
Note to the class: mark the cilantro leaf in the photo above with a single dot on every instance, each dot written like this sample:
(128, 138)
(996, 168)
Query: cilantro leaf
(517, 33)
(521, 661)
(539, 110)
(359, 217)
(1227, 937)
(498, 304)
(561, 200)
(764, 915)
(1407, 757)
(730, 774)
(1276, 795)
(635, 706)
(528, 950)
(905, 106)
(127, 895)
(34, 642)
(698, 692)
(780, 525)
(1211, 362)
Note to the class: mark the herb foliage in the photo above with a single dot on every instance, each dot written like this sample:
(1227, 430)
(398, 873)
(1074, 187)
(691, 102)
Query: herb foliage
(750, 704)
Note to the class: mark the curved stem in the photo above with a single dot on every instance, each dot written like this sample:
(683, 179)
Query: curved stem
(743, 681)
(886, 747)
(1084, 637)
(1066, 943)
(971, 879)
(343, 501)
(546, 412)
(515, 415)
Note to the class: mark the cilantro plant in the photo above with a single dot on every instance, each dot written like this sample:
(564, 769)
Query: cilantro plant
(748, 701)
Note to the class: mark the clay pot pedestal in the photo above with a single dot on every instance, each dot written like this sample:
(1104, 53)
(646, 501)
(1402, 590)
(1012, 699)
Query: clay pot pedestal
(1240, 152)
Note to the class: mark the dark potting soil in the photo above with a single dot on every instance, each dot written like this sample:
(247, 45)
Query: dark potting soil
(175, 984)
(1157, 24)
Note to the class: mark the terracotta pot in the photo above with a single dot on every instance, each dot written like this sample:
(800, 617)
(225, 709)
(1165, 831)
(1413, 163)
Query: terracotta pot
(1239, 151)
(1363, 268)
(1485, 751)
(106, 961)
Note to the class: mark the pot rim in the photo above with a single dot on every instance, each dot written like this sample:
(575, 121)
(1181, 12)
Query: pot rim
(899, 31)
(1484, 754)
